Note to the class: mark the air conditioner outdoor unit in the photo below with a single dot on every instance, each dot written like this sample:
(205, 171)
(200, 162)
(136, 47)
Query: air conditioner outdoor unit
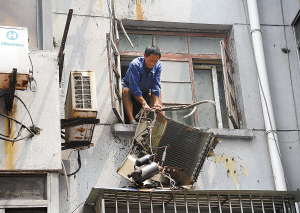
(81, 103)
(14, 54)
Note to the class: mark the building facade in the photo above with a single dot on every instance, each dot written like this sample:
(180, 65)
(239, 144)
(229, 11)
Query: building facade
(208, 53)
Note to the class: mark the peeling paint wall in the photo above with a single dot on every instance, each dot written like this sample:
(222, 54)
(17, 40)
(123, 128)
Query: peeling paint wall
(42, 152)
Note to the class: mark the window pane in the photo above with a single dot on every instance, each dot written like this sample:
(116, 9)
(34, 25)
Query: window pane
(171, 44)
(176, 93)
(21, 187)
(176, 71)
(205, 45)
(26, 210)
(178, 114)
(140, 42)
(21, 13)
(204, 91)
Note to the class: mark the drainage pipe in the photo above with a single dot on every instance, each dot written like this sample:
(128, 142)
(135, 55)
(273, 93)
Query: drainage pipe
(272, 138)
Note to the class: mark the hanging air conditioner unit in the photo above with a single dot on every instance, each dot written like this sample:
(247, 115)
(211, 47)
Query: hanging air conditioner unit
(14, 54)
(81, 103)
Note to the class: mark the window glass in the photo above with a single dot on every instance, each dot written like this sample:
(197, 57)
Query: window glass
(171, 44)
(22, 187)
(205, 45)
(174, 92)
(140, 42)
(204, 91)
(176, 71)
(178, 114)
(21, 13)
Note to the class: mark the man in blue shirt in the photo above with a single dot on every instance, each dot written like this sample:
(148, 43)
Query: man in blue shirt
(142, 81)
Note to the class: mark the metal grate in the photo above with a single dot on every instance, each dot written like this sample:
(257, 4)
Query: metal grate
(131, 200)
(193, 145)
(82, 92)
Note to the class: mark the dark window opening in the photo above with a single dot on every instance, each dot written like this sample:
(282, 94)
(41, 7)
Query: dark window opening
(26, 210)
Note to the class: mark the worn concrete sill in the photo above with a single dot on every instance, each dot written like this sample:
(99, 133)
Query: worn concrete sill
(129, 129)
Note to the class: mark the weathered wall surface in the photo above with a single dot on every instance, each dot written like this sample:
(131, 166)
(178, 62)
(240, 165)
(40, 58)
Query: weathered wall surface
(42, 152)
(248, 165)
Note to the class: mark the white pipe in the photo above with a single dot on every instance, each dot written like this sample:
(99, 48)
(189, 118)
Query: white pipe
(278, 173)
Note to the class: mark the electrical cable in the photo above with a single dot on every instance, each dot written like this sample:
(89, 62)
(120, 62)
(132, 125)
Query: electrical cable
(15, 139)
(66, 179)
(79, 165)
(25, 108)
(31, 78)
(290, 72)
(78, 206)
(18, 122)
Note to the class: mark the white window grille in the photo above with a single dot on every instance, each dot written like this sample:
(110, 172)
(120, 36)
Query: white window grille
(131, 200)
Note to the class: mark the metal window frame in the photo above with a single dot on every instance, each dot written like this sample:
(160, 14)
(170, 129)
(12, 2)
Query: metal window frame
(200, 201)
(213, 69)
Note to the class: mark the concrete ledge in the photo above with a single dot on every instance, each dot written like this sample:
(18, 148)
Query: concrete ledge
(232, 133)
(129, 129)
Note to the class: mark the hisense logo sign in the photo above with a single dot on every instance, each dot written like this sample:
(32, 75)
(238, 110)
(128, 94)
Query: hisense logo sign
(12, 35)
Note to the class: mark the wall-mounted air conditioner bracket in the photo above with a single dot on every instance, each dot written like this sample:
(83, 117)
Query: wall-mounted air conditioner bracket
(9, 98)
(61, 54)
(71, 122)
(80, 145)
(66, 123)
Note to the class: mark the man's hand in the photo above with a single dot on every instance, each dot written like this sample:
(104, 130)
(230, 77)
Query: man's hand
(146, 106)
(157, 107)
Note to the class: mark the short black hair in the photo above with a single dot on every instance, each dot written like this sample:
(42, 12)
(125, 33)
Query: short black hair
(152, 49)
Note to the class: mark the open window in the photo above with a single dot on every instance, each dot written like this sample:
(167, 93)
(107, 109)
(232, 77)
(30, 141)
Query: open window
(196, 67)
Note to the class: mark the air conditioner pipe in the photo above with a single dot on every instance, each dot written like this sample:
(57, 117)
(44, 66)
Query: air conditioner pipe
(272, 138)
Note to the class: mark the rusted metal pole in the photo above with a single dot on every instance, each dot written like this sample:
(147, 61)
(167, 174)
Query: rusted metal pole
(11, 90)
(61, 55)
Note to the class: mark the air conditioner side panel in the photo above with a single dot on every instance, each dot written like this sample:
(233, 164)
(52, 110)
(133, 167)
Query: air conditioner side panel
(82, 133)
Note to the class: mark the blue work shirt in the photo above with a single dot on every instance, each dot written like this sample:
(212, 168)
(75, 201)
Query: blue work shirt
(138, 81)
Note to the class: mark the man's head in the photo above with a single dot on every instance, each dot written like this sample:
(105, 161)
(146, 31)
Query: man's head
(152, 54)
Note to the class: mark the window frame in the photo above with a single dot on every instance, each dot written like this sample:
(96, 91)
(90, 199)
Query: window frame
(188, 57)
(51, 188)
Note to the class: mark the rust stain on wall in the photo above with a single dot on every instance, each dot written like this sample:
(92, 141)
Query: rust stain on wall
(244, 169)
(139, 11)
(100, 4)
(229, 164)
(10, 149)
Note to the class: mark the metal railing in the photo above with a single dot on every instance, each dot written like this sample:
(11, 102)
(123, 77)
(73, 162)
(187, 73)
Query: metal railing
(210, 201)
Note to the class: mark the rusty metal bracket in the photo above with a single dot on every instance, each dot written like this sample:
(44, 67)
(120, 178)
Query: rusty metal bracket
(61, 55)
(9, 98)
(75, 144)
(65, 123)
(71, 122)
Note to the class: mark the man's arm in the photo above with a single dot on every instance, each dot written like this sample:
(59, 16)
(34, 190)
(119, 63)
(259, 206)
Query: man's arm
(156, 102)
(142, 101)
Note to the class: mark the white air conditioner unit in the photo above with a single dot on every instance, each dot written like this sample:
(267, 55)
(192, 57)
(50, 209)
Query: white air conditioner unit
(81, 103)
(14, 54)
